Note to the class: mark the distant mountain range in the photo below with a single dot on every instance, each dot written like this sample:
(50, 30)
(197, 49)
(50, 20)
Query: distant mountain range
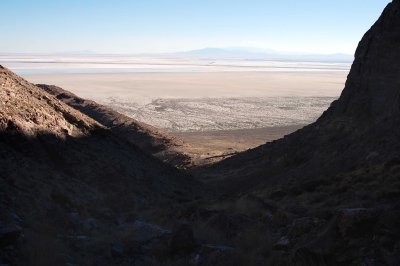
(265, 54)
(249, 53)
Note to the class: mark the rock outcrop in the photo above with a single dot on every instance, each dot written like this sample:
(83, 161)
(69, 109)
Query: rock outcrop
(27, 110)
(372, 93)
(360, 129)
(342, 171)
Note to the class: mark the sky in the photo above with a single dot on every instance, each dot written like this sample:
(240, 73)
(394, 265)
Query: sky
(154, 26)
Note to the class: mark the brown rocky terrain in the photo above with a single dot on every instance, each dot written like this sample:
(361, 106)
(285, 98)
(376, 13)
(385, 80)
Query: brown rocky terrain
(61, 169)
(76, 191)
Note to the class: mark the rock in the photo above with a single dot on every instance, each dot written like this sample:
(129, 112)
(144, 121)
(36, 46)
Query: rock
(372, 88)
(391, 258)
(144, 261)
(356, 221)
(203, 214)
(197, 259)
(372, 155)
(320, 249)
(371, 262)
(9, 235)
(117, 251)
(217, 247)
(91, 224)
(74, 218)
(389, 219)
(120, 221)
(229, 225)
(216, 254)
(282, 243)
(303, 226)
(182, 239)
(144, 232)
(281, 218)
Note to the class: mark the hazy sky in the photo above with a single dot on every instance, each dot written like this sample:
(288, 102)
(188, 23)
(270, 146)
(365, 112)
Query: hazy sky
(129, 26)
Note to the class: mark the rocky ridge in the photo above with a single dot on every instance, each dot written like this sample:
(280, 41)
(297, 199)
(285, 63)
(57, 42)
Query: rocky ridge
(150, 139)
(29, 111)
(336, 182)
(360, 128)
(66, 180)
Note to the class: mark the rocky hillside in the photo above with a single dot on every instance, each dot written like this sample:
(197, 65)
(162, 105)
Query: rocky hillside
(361, 128)
(150, 139)
(66, 180)
(337, 180)
(27, 110)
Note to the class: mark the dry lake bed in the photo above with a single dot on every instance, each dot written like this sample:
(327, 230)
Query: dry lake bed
(228, 105)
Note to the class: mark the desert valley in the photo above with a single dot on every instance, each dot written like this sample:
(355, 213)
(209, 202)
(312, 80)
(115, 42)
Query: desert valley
(208, 157)
(220, 107)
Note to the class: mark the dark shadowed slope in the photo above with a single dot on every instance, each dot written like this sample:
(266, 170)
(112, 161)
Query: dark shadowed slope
(361, 128)
(150, 139)
(330, 192)
(59, 168)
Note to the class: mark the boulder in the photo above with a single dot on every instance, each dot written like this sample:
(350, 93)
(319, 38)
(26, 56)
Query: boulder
(304, 225)
(144, 232)
(357, 221)
(320, 249)
(117, 251)
(282, 243)
(229, 225)
(91, 224)
(182, 239)
(9, 235)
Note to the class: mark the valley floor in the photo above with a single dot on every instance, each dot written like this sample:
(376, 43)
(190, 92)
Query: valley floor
(212, 146)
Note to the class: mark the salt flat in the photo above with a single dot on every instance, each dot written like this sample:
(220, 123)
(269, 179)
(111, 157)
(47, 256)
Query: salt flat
(150, 86)
(194, 94)
(197, 97)
(202, 101)
(59, 64)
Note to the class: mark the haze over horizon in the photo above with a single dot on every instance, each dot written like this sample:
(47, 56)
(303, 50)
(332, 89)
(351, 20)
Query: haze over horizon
(158, 26)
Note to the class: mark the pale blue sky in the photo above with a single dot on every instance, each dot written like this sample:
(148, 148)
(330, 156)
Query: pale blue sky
(122, 26)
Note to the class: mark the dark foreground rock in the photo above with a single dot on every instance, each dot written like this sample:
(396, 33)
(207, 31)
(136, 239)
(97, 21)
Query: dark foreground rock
(9, 235)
